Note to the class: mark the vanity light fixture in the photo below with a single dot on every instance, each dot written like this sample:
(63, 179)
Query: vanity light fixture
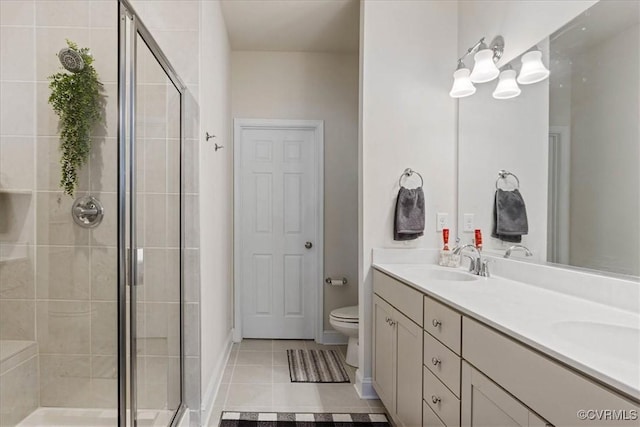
(507, 86)
(462, 85)
(533, 70)
(484, 69)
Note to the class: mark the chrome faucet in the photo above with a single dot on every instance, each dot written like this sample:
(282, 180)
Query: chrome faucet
(526, 250)
(476, 266)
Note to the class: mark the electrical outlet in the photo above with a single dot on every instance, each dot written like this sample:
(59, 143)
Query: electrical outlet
(442, 221)
(468, 225)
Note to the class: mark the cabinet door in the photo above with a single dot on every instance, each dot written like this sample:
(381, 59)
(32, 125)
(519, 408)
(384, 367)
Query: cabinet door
(384, 346)
(485, 404)
(409, 371)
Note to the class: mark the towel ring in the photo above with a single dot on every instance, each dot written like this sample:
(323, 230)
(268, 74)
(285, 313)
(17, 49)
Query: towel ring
(407, 173)
(503, 174)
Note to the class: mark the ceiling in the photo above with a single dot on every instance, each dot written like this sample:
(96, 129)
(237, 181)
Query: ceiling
(293, 25)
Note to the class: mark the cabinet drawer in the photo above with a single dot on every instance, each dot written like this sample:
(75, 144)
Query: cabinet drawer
(429, 418)
(550, 389)
(443, 323)
(446, 405)
(407, 300)
(442, 362)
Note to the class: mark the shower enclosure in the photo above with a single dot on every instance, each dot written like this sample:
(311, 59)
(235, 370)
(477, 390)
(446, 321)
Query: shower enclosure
(91, 286)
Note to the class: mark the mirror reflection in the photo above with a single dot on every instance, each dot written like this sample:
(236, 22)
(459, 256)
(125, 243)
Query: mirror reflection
(593, 140)
(573, 142)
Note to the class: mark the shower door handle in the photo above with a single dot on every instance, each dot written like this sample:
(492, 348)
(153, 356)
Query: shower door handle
(139, 267)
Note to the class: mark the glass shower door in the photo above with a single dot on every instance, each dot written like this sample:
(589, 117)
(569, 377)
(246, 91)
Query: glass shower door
(157, 223)
(153, 237)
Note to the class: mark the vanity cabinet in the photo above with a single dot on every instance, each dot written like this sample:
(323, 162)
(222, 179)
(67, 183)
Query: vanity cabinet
(486, 404)
(441, 359)
(544, 385)
(435, 367)
(397, 351)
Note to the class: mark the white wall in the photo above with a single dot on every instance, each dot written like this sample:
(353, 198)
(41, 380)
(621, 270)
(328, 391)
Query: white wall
(408, 53)
(216, 199)
(604, 156)
(522, 23)
(314, 86)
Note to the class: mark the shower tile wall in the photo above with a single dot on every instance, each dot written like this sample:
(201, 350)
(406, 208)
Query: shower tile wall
(57, 280)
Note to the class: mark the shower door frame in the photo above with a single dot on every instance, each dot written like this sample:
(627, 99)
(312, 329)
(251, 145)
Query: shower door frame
(127, 269)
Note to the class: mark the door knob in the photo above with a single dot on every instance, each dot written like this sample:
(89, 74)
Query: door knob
(308, 245)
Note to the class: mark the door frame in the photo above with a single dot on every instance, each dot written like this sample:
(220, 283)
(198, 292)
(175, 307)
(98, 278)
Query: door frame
(317, 126)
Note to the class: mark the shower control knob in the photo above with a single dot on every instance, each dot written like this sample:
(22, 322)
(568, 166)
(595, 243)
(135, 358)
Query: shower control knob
(87, 212)
(308, 245)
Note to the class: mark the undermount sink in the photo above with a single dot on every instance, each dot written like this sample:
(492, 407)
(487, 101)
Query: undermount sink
(433, 273)
(621, 342)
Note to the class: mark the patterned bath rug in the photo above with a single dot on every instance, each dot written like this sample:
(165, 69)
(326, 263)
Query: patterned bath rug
(290, 419)
(316, 366)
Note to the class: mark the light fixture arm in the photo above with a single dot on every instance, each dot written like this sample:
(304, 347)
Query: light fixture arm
(497, 46)
(471, 50)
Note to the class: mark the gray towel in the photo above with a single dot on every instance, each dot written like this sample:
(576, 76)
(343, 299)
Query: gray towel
(509, 216)
(409, 221)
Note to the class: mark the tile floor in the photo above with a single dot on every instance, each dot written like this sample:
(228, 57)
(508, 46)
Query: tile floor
(257, 379)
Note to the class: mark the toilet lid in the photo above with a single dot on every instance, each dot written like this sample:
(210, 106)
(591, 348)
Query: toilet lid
(346, 313)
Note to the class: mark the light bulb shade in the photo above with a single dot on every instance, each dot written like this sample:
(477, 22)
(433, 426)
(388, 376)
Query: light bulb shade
(533, 70)
(507, 86)
(484, 70)
(462, 85)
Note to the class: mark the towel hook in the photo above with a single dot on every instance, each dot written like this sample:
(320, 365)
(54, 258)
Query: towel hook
(407, 173)
(503, 174)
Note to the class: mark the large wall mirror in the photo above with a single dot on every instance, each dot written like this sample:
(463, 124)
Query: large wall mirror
(573, 142)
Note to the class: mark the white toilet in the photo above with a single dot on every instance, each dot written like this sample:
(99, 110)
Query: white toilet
(345, 320)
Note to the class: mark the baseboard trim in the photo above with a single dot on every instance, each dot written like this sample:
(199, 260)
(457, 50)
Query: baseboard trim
(237, 336)
(364, 387)
(333, 338)
(213, 388)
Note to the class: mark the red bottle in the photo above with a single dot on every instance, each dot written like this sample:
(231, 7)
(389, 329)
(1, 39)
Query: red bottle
(445, 238)
(478, 235)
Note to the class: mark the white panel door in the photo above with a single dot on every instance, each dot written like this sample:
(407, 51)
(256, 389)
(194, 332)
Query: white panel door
(278, 220)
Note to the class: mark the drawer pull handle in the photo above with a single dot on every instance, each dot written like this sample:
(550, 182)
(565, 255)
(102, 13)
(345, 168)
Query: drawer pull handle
(435, 399)
(435, 361)
(436, 323)
(392, 322)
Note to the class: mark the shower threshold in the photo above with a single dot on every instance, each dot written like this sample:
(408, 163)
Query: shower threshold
(83, 417)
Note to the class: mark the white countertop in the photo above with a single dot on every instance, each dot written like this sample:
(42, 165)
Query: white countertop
(600, 340)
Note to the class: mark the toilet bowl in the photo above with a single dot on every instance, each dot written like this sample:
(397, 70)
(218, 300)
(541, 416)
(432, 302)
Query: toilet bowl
(345, 320)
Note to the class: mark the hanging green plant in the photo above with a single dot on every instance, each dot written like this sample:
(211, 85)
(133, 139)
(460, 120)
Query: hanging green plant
(76, 98)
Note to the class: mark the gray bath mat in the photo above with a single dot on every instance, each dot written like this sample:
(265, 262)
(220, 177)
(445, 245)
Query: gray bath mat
(316, 366)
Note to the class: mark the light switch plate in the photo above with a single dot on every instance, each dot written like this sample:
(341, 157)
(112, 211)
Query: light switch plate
(468, 225)
(442, 221)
